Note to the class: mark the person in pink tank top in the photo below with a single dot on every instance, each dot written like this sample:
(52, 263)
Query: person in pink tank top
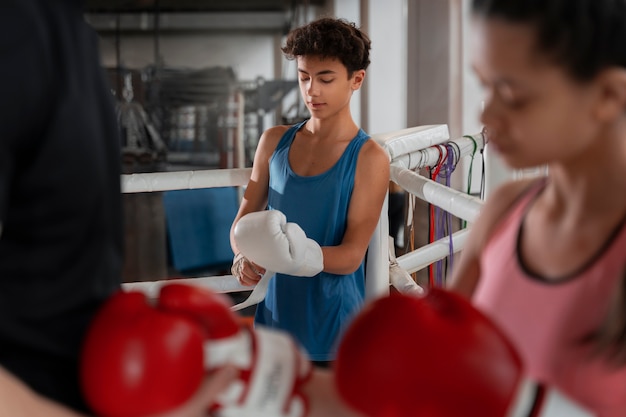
(546, 260)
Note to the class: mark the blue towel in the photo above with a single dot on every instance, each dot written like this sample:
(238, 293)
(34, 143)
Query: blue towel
(198, 226)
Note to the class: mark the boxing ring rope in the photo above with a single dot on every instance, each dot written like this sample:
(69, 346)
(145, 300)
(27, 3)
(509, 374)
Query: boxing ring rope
(408, 150)
(185, 180)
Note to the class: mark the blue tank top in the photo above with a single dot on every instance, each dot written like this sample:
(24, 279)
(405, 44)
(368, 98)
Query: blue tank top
(315, 310)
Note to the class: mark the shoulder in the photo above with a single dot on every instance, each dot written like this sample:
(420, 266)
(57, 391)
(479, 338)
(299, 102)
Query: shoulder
(496, 206)
(504, 196)
(277, 131)
(26, 44)
(467, 273)
(274, 134)
(270, 138)
(26, 60)
(372, 168)
(372, 153)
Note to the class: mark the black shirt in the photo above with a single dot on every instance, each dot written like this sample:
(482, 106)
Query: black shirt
(60, 203)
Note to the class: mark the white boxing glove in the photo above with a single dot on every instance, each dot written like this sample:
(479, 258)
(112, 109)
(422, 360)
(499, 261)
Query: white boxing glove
(265, 238)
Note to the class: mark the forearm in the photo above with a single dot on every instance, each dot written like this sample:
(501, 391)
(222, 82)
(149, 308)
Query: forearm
(18, 400)
(342, 259)
(323, 398)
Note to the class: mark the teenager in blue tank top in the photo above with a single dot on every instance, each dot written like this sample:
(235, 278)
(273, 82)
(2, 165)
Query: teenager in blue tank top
(328, 177)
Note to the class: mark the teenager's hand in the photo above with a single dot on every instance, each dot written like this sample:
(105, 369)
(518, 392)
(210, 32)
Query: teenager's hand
(247, 273)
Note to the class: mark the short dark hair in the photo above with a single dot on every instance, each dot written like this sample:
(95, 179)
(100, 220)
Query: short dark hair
(330, 38)
(582, 36)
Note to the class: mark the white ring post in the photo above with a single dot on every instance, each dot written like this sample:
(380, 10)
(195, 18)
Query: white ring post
(377, 266)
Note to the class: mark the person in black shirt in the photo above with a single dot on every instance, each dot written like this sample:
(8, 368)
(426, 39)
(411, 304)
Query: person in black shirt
(61, 234)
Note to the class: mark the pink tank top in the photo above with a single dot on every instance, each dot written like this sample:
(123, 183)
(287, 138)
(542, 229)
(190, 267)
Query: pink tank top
(548, 320)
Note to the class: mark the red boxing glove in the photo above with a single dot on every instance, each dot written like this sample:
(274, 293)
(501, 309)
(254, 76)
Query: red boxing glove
(434, 355)
(147, 372)
(272, 369)
(138, 360)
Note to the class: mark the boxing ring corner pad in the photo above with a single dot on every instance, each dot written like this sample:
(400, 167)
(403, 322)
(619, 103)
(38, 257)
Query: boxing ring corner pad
(408, 149)
(403, 142)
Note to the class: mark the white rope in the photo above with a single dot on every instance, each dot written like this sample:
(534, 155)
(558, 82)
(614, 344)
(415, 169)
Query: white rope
(185, 180)
(422, 257)
(218, 283)
(459, 204)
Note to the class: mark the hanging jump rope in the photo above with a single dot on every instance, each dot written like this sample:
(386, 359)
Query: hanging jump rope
(440, 221)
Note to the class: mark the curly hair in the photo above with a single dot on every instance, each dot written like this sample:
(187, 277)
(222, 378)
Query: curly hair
(330, 38)
(582, 36)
